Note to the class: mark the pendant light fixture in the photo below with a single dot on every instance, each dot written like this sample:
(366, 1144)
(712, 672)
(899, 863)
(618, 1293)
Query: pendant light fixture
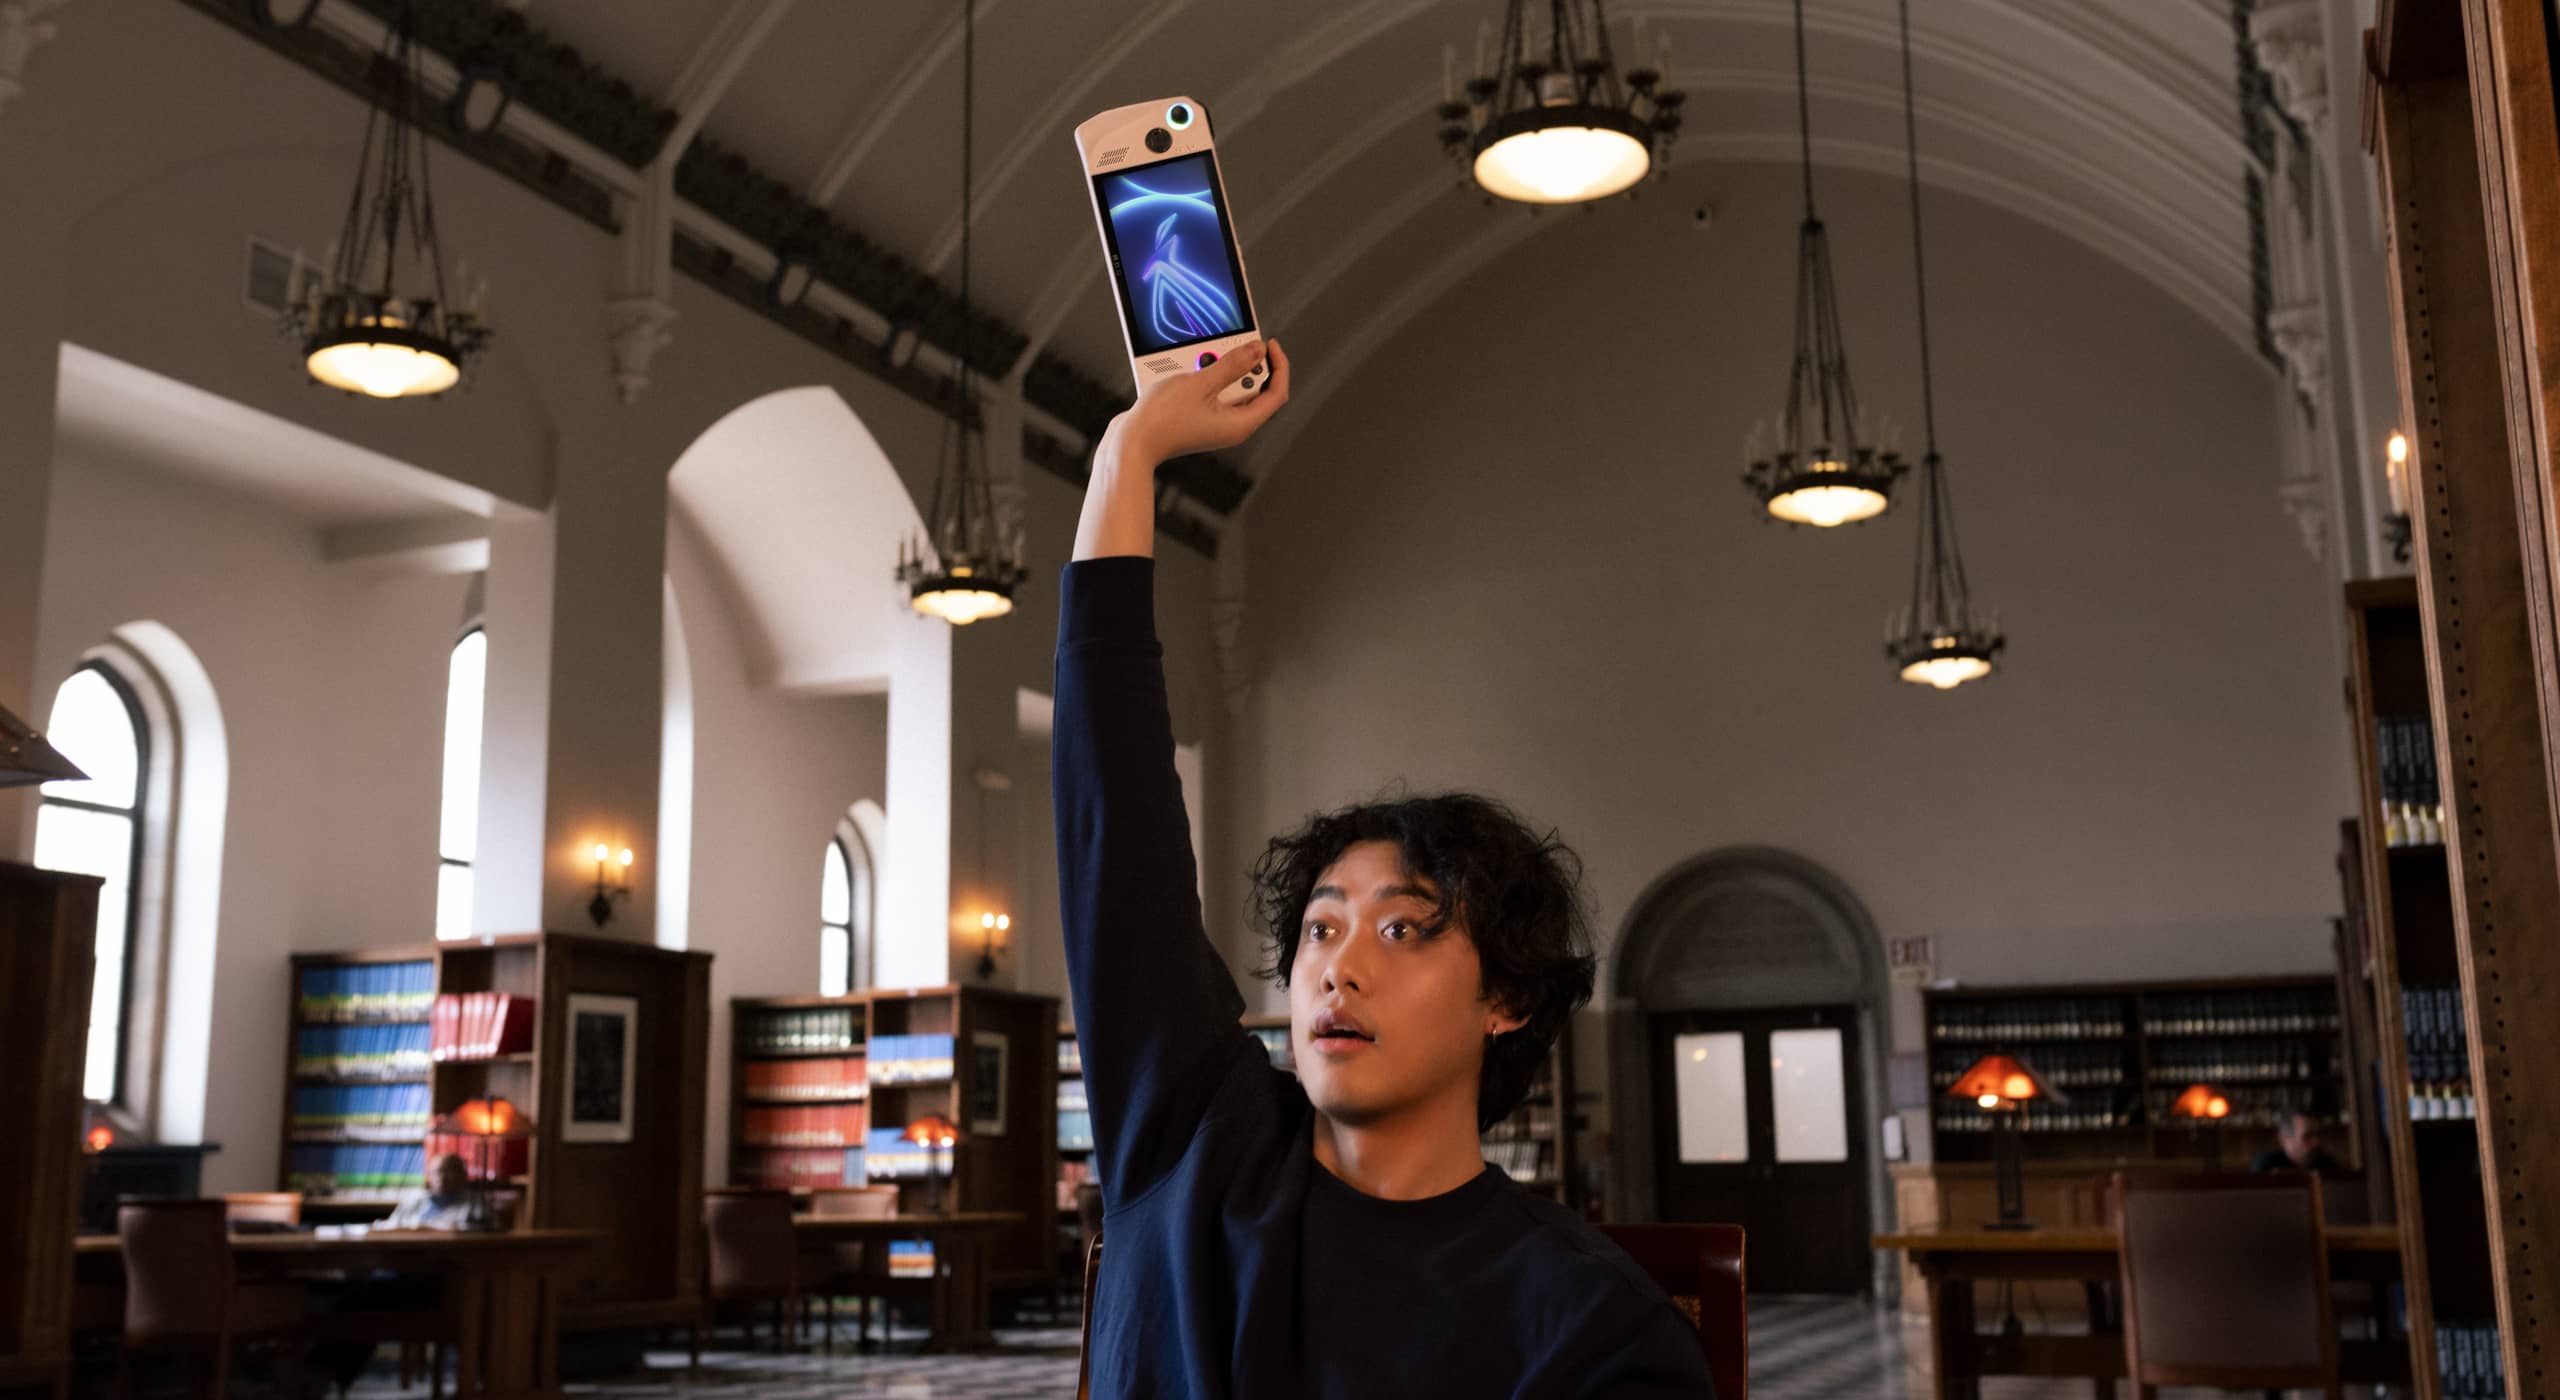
(357, 331)
(1556, 124)
(971, 561)
(1818, 472)
(1937, 641)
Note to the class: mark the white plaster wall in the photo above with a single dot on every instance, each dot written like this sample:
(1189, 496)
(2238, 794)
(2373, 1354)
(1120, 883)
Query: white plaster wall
(1475, 571)
(331, 681)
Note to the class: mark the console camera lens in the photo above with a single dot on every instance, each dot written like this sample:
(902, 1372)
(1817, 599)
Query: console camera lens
(1179, 114)
(1159, 140)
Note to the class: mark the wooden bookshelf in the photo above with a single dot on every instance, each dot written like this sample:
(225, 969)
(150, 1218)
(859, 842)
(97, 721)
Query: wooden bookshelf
(342, 1001)
(2410, 956)
(2122, 1052)
(1010, 1166)
(48, 938)
(640, 1191)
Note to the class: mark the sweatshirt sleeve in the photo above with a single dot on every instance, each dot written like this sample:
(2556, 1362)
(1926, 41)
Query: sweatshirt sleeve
(1658, 1358)
(1156, 1009)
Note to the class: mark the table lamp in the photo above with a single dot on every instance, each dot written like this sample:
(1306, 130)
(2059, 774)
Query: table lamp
(2204, 1107)
(485, 1121)
(932, 1131)
(2003, 1086)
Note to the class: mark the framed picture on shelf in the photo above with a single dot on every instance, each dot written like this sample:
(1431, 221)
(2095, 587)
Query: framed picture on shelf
(988, 1061)
(604, 1038)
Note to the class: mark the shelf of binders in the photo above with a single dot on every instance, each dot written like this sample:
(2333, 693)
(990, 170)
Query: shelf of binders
(488, 1026)
(357, 1098)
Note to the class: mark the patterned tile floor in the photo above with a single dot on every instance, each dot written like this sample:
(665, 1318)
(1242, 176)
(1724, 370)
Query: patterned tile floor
(1801, 1349)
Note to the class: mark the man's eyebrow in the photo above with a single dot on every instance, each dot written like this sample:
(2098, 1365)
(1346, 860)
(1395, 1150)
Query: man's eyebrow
(1325, 892)
(1386, 892)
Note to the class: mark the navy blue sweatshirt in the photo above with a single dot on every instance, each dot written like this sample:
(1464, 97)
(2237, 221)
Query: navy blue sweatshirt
(1234, 1263)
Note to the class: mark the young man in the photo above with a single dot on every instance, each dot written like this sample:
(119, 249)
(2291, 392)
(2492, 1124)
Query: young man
(1337, 1233)
(2298, 1148)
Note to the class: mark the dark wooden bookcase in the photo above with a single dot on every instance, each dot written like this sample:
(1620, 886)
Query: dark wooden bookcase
(48, 941)
(640, 1193)
(1007, 1154)
(324, 1202)
(2410, 950)
(2122, 1052)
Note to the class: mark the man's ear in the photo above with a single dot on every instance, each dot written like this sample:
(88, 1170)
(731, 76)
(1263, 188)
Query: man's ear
(1498, 1020)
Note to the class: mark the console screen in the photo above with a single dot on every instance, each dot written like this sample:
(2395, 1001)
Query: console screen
(1173, 258)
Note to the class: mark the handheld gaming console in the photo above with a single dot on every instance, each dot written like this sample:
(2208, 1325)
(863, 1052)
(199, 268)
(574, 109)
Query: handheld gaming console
(1176, 275)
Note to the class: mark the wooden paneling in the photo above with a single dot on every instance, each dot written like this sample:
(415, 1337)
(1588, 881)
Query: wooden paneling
(48, 939)
(2465, 239)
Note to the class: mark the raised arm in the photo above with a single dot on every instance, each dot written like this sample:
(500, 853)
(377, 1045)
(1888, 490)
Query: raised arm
(1156, 1008)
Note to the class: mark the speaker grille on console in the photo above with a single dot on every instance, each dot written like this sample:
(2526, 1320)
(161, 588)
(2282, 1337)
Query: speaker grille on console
(1163, 365)
(1113, 156)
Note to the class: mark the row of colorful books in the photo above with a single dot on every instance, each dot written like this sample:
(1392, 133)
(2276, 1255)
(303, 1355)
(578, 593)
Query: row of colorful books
(1071, 1096)
(817, 1125)
(820, 1028)
(379, 1051)
(478, 1025)
(367, 991)
(801, 1169)
(1070, 1056)
(887, 1154)
(1075, 1130)
(351, 1169)
(771, 1081)
(381, 1111)
(488, 1159)
(909, 1059)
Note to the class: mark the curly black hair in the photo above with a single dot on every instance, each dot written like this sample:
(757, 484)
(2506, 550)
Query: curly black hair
(1515, 893)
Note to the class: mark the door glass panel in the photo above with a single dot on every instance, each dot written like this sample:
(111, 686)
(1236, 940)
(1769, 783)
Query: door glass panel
(1809, 1094)
(1706, 1071)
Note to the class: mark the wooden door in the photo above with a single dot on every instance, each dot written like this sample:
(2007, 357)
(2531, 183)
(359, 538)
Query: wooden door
(1759, 1122)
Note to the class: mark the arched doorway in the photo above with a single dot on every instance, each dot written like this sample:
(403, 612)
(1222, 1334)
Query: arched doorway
(1727, 966)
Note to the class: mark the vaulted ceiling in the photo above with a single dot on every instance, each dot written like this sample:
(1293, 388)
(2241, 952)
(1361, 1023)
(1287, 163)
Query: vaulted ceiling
(2116, 122)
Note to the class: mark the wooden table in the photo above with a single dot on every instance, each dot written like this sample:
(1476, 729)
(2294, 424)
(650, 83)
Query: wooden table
(960, 1319)
(501, 1291)
(1953, 1260)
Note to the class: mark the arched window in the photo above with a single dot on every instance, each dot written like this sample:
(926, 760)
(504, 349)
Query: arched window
(95, 828)
(465, 692)
(844, 917)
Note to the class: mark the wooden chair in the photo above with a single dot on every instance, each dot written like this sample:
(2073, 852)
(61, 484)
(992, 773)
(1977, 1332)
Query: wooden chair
(1084, 1343)
(848, 1270)
(1701, 1267)
(182, 1293)
(752, 1256)
(264, 1207)
(2226, 1282)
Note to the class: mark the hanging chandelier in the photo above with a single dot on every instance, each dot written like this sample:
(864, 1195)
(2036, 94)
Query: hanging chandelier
(1556, 124)
(971, 561)
(1818, 472)
(357, 332)
(1937, 640)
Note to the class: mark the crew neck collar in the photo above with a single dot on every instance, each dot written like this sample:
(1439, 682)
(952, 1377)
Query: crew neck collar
(1447, 1208)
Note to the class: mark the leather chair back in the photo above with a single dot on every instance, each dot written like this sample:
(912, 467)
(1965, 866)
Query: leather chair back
(1701, 1267)
(750, 1245)
(178, 1274)
(2226, 1281)
(270, 1207)
(1084, 1344)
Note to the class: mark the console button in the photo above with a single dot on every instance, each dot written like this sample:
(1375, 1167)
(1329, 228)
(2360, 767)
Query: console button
(1208, 358)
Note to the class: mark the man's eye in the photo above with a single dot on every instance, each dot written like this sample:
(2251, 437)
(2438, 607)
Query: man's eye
(1397, 930)
(1316, 932)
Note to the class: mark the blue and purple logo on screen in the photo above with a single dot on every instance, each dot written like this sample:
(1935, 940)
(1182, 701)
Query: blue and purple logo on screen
(1180, 283)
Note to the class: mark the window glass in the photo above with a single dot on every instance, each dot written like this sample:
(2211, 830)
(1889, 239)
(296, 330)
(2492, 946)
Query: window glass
(1809, 1096)
(465, 697)
(91, 828)
(1706, 1071)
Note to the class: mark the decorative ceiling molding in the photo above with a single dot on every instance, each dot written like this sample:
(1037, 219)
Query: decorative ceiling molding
(25, 25)
(2291, 43)
(867, 127)
(2194, 96)
(1379, 323)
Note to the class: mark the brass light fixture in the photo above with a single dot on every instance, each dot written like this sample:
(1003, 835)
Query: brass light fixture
(1937, 640)
(357, 331)
(971, 561)
(1558, 125)
(1819, 473)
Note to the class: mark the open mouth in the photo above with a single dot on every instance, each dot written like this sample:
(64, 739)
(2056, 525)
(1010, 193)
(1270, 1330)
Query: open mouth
(1336, 1030)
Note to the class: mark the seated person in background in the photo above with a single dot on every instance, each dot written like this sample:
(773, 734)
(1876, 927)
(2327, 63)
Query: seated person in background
(2298, 1148)
(1336, 1233)
(440, 1205)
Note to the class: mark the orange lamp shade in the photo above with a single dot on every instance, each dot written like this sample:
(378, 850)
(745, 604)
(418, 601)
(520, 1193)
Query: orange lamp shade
(932, 1130)
(486, 1118)
(2201, 1101)
(100, 1138)
(1997, 1080)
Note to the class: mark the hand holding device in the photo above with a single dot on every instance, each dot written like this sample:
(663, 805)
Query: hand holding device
(1177, 277)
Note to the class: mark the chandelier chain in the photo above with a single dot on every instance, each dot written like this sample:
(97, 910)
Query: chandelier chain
(1804, 114)
(1919, 260)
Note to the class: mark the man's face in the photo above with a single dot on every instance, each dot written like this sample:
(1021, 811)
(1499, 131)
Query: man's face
(452, 1178)
(1384, 1015)
(2300, 1138)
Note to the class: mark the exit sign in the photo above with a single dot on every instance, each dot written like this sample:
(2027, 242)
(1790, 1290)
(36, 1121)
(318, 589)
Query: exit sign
(1912, 960)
